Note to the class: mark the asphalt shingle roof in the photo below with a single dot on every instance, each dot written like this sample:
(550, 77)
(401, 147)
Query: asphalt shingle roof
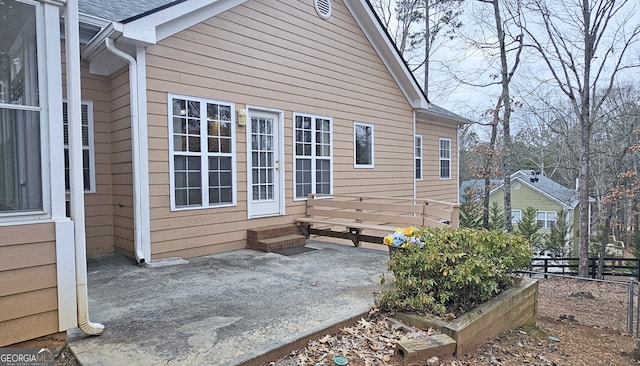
(567, 196)
(119, 10)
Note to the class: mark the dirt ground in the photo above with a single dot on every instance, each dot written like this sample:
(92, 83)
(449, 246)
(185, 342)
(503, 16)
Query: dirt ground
(579, 323)
(586, 322)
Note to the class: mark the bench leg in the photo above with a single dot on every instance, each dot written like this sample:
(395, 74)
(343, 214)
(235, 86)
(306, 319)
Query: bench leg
(354, 234)
(304, 227)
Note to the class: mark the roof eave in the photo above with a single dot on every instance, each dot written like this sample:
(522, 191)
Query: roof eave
(377, 36)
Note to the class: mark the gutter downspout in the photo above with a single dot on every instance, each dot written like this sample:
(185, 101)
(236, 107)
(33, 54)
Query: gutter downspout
(135, 145)
(75, 163)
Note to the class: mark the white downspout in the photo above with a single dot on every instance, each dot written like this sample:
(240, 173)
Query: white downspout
(74, 114)
(135, 145)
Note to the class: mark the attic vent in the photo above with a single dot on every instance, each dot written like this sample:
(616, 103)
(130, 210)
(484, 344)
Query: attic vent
(516, 186)
(323, 8)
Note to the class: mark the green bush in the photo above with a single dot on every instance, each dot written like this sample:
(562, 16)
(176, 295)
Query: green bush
(455, 271)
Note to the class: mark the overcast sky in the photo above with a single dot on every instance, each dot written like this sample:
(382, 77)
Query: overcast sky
(457, 60)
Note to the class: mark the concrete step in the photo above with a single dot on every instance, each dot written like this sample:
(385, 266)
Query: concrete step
(279, 243)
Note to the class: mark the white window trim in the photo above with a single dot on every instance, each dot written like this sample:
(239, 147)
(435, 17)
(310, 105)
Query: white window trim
(91, 147)
(441, 159)
(204, 167)
(520, 214)
(313, 157)
(355, 161)
(546, 218)
(418, 157)
(46, 43)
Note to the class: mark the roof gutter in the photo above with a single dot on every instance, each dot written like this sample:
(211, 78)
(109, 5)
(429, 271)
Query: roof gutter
(135, 146)
(76, 197)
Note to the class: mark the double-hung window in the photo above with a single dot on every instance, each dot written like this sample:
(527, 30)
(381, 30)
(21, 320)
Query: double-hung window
(362, 145)
(417, 156)
(313, 151)
(21, 170)
(88, 162)
(445, 158)
(546, 219)
(516, 216)
(202, 156)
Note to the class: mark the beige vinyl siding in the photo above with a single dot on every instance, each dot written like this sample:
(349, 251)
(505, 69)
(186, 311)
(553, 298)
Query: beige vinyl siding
(28, 286)
(279, 55)
(98, 205)
(121, 166)
(431, 186)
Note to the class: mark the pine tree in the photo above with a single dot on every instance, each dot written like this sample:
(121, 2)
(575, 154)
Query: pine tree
(528, 227)
(496, 217)
(556, 241)
(470, 211)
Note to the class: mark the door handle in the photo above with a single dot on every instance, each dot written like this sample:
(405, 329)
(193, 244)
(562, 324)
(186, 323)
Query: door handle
(277, 164)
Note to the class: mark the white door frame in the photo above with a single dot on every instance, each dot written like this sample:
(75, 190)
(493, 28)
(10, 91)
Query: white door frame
(280, 173)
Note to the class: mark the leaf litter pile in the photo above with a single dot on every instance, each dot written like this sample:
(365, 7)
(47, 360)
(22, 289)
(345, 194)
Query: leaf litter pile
(369, 342)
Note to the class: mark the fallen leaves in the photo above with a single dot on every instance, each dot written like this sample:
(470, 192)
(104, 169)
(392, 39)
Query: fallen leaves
(369, 342)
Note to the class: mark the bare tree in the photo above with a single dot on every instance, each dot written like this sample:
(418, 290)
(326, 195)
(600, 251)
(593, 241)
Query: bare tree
(585, 45)
(506, 75)
(414, 25)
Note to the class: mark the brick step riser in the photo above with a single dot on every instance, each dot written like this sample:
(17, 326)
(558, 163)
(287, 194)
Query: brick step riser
(279, 245)
(258, 235)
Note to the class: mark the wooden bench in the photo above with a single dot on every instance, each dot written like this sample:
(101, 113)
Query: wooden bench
(369, 218)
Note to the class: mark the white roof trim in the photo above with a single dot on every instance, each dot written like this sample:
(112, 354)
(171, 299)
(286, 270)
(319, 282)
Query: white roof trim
(173, 19)
(374, 32)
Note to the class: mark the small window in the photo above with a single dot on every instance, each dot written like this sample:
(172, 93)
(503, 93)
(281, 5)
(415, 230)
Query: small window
(516, 216)
(417, 155)
(312, 155)
(546, 219)
(445, 159)
(323, 8)
(202, 156)
(363, 145)
(88, 149)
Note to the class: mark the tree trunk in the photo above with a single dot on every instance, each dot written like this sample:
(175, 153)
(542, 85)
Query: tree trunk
(604, 240)
(585, 134)
(506, 101)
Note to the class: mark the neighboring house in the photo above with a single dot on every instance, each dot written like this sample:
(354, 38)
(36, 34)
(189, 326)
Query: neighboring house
(532, 189)
(198, 120)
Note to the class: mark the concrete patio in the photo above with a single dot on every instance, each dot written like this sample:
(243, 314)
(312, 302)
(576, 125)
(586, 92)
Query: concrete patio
(223, 309)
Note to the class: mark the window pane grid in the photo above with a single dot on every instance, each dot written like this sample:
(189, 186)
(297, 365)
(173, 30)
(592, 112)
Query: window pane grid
(445, 158)
(262, 159)
(86, 146)
(417, 154)
(202, 135)
(546, 219)
(312, 154)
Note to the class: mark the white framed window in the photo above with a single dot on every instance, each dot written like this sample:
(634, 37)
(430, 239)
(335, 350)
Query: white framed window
(546, 219)
(516, 216)
(202, 153)
(23, 130)
(417, 156)
(312, 155)
(88, 146)
(445, 158)
(363, 145)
